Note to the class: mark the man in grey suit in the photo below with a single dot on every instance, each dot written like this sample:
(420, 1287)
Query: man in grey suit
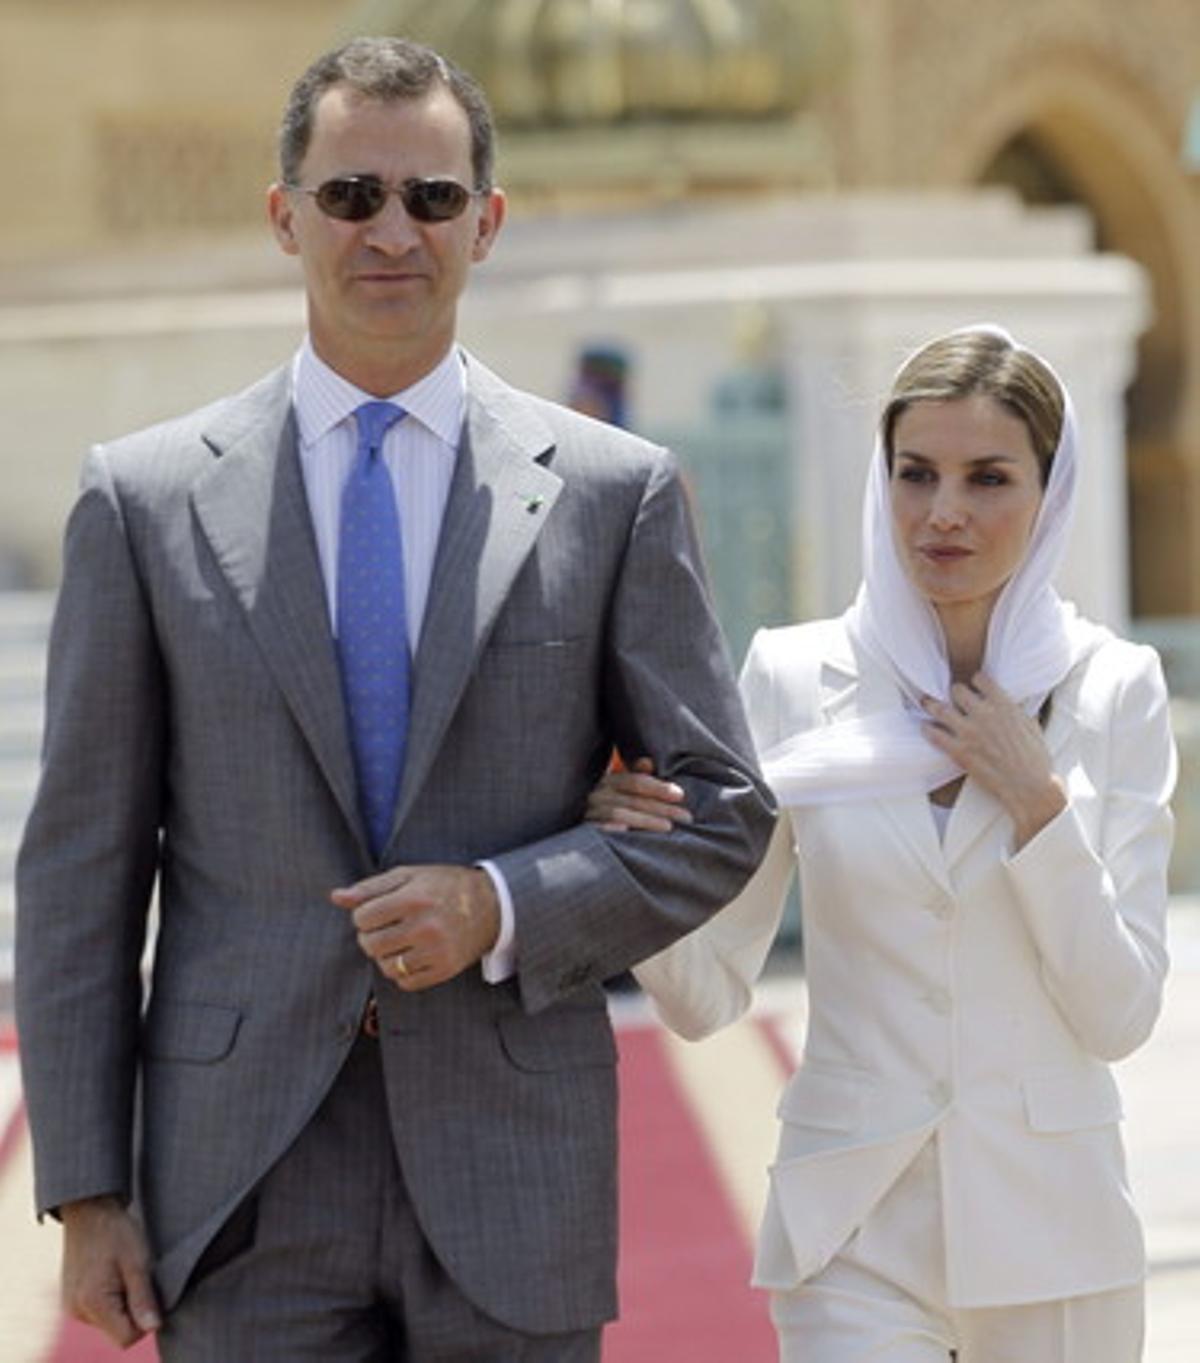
(334, 666)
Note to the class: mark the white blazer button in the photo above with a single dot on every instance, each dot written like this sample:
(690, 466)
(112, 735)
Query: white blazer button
(939, 1001)
(939, 1093)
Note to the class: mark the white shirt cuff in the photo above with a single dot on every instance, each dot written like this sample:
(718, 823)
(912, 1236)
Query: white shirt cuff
(501, 962)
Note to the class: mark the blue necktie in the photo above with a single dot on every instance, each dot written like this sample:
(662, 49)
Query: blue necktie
(372, 623)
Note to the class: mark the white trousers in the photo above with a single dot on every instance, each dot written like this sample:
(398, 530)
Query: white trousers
(847, 1314)
(883, 1299)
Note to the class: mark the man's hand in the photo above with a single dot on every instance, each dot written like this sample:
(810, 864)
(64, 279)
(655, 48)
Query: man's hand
(422, 925)
(106, 1270)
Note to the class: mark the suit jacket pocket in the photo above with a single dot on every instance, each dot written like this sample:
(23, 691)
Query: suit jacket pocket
(1071, 1100)
(198, 1032)
(826, 1098)
(519, 659)
(558, 1039)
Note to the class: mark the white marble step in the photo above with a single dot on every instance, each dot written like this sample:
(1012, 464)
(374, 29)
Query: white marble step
(22, 667)
(10, 840)
(25, 616)
(18, 780)
(20, 727)
(24, 625)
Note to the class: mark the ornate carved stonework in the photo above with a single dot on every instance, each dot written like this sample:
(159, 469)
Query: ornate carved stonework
(162, 169)
(572, 62)
(939, 62)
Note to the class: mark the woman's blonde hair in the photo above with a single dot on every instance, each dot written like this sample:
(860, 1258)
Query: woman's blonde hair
(968, 362)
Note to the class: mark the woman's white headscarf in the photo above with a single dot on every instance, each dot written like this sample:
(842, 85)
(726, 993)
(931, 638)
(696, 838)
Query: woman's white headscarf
(1030, 647)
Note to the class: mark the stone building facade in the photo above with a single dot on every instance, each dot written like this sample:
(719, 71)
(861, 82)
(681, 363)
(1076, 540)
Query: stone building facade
(1080, 101)
(140, 137)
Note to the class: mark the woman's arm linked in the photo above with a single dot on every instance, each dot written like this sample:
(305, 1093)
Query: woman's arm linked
(703, 981)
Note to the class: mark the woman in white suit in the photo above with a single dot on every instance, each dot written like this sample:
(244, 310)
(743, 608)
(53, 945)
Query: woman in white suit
(974, 783)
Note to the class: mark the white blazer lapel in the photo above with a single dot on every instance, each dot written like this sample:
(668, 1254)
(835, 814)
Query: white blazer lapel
(849, 687)
(975, 811)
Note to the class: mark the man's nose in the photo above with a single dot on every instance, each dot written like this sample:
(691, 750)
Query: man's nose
(393, 229)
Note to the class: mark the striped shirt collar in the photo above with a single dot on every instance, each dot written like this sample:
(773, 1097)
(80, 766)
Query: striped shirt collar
(323, 399)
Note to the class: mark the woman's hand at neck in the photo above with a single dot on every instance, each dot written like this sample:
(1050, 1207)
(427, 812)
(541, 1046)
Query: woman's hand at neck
(1002, 748)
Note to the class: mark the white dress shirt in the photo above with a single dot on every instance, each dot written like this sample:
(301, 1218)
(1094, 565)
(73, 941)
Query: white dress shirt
(420, 453)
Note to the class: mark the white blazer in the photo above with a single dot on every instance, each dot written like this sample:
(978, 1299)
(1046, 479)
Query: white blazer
(955, 987)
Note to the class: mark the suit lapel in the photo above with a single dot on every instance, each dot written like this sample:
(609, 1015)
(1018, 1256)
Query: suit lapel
(852, 686)
(499, 499)
(252, 508)
(975, 812)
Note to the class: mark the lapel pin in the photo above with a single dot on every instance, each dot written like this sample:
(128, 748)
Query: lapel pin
(533, 505)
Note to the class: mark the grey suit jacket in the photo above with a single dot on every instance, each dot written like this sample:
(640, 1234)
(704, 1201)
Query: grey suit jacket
(195, 739)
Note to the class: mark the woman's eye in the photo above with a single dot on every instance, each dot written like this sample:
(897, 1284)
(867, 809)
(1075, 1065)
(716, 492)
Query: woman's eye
(991, 479)
(913, 473)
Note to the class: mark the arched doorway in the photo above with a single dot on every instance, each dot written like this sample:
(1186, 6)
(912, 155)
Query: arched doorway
(1071, 132)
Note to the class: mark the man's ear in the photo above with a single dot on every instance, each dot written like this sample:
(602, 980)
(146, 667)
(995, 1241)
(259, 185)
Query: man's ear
(488, 224)
(282, 213)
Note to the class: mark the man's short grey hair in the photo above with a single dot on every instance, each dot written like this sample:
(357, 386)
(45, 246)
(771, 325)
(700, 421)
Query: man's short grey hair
(385, 69)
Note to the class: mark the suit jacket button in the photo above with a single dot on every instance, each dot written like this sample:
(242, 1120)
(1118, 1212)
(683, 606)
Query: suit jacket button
(942, 906)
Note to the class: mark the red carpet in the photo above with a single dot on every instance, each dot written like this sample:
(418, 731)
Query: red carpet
(685, 1260)
(80, 1344)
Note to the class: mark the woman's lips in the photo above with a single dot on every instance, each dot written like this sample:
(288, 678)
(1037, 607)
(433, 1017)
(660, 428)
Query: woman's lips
(945, 553)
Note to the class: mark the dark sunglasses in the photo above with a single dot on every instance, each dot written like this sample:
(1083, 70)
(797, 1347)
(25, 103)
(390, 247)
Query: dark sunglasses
(357, 198)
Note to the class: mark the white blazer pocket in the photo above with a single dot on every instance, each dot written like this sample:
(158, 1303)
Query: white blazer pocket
(826, 1098)
(1071, 1100)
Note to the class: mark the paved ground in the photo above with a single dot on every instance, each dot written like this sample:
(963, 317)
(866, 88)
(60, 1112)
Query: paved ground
(697, 1133)
(1161, 1085)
